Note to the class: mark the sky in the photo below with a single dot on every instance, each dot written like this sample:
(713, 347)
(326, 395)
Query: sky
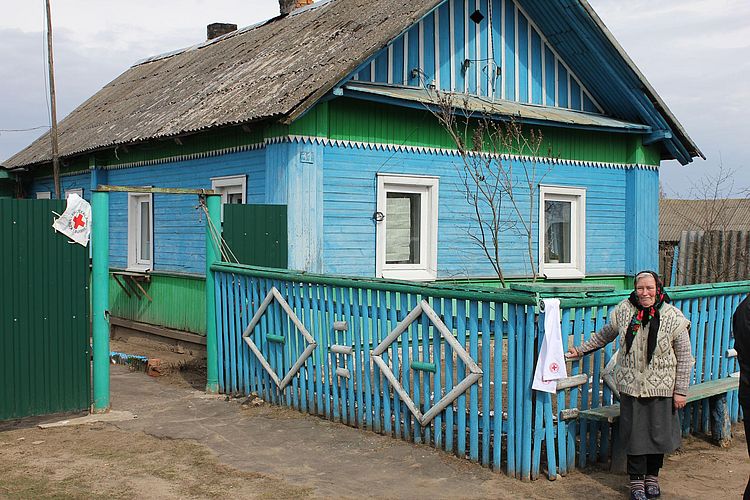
(693, 52)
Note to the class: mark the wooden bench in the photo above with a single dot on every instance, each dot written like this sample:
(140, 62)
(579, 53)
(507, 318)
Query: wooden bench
(695, 393)
(720, 423)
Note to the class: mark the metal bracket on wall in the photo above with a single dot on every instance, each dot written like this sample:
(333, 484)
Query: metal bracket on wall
(311, 344)
(475, 373)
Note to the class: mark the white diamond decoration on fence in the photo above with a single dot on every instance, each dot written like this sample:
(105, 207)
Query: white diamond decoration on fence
(311, 344)
(475, 373)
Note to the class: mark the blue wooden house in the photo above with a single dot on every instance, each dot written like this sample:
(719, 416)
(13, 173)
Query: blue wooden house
(326, 110)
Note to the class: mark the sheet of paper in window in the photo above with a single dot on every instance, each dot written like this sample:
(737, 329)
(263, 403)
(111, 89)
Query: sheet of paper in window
(75, 222)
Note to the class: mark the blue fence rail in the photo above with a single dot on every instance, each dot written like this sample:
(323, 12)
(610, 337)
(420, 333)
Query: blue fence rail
(446, 366)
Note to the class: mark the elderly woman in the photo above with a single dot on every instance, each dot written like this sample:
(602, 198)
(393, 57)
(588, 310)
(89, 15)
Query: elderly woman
(652, 375)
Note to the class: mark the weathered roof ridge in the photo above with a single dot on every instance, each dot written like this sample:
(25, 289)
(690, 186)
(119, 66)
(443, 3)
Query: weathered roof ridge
(244, 29)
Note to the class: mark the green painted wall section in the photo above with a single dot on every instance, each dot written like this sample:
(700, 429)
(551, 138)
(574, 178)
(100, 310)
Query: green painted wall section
(44, 314)
(362, 121)
(379, 123)
(179, 302)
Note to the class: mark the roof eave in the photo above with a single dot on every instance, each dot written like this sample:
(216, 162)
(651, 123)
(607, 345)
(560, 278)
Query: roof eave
(680, 145)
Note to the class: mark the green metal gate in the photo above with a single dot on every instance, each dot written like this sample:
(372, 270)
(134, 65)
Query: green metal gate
(44, 313)
(257, 234)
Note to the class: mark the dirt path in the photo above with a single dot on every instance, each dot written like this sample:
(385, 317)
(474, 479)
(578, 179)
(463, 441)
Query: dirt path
(185, 444)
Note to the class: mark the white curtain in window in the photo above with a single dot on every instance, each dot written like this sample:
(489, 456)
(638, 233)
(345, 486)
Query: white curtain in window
(402, 219)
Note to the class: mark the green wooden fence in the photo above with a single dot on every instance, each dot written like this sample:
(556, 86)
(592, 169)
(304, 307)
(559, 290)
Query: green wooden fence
(44, 313)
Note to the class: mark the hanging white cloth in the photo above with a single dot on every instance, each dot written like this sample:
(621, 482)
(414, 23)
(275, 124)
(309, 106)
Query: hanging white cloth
(75, 221)
(550, 366)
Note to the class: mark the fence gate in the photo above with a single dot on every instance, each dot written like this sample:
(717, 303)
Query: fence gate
(44, 313)
(257, 234)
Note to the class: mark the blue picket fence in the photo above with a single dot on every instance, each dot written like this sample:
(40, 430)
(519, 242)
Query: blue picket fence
(446, 366)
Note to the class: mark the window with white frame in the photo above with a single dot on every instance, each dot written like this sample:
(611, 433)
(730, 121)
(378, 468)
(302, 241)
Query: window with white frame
(140, 231)
(407, 215)
(78, 191)
(44, 195)
(232, 189)
(562, 232)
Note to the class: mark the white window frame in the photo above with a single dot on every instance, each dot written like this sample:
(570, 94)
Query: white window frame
(427, 187)
(44, 195)
(135, 262)
(229, 184)
(78, 191)
(577, 197)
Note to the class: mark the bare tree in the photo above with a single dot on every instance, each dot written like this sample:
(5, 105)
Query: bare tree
(500, 173)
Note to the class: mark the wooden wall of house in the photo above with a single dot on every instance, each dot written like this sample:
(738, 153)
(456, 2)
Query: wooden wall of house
(508, 57)
(350, 200)
(179, 229)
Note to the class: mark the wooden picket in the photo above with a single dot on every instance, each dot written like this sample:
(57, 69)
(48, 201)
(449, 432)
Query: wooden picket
(389, 357)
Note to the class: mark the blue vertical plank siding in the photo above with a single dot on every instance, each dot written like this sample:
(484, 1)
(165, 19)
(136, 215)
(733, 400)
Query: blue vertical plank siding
(536, 68)
(523, 58)
(442, 20)
(509, 66)
(496, 31)
(642, 206)
(381, 67)
(562, 86)
(575, 94)
(411, 43)
(550, 81)
(448, 48)
(485, 66)
(429, 50)
(458, 37)
(397, 62)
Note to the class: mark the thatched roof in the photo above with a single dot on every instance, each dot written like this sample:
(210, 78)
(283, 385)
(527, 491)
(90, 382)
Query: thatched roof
(722, 214)
(276, 69)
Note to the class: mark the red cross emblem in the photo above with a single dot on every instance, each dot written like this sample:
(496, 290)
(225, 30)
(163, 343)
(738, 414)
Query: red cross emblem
(554, 367)
(78, 221)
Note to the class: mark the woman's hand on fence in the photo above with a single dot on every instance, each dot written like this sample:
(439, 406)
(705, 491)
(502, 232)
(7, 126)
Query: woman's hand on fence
(573, 353)
(679, 401)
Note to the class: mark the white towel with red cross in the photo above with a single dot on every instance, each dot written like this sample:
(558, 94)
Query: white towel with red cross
(550, 366)
(75, 221)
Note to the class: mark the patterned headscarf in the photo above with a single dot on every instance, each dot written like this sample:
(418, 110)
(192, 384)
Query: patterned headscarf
(645, 315)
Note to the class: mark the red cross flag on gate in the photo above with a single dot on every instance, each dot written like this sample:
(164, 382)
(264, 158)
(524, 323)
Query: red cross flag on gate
(75, 221)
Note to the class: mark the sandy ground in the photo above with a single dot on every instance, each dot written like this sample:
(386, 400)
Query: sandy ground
(185, 444)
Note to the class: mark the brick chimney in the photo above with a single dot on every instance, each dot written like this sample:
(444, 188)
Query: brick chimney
(287, 6)
(215, 30)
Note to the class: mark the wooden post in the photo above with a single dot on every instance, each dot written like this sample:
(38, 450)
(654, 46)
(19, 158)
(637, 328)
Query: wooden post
(53, 105)
(213, 203)
(100, 299)
(721, 426)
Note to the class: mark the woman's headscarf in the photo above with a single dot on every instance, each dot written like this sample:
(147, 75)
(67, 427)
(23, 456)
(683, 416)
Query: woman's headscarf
(645, 315)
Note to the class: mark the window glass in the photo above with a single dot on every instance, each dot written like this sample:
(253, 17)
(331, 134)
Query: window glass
(234, 198)
(145, 231)
(557, 218)
(403, 213)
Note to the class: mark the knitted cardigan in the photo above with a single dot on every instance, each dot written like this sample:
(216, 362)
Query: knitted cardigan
(669, 370)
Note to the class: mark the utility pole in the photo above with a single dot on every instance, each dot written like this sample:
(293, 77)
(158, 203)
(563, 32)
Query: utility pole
(53, 105)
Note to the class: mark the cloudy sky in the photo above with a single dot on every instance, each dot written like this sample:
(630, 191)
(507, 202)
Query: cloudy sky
(694, 52)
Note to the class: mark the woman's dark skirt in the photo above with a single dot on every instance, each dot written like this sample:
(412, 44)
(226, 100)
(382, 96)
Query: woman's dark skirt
(649, 425)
